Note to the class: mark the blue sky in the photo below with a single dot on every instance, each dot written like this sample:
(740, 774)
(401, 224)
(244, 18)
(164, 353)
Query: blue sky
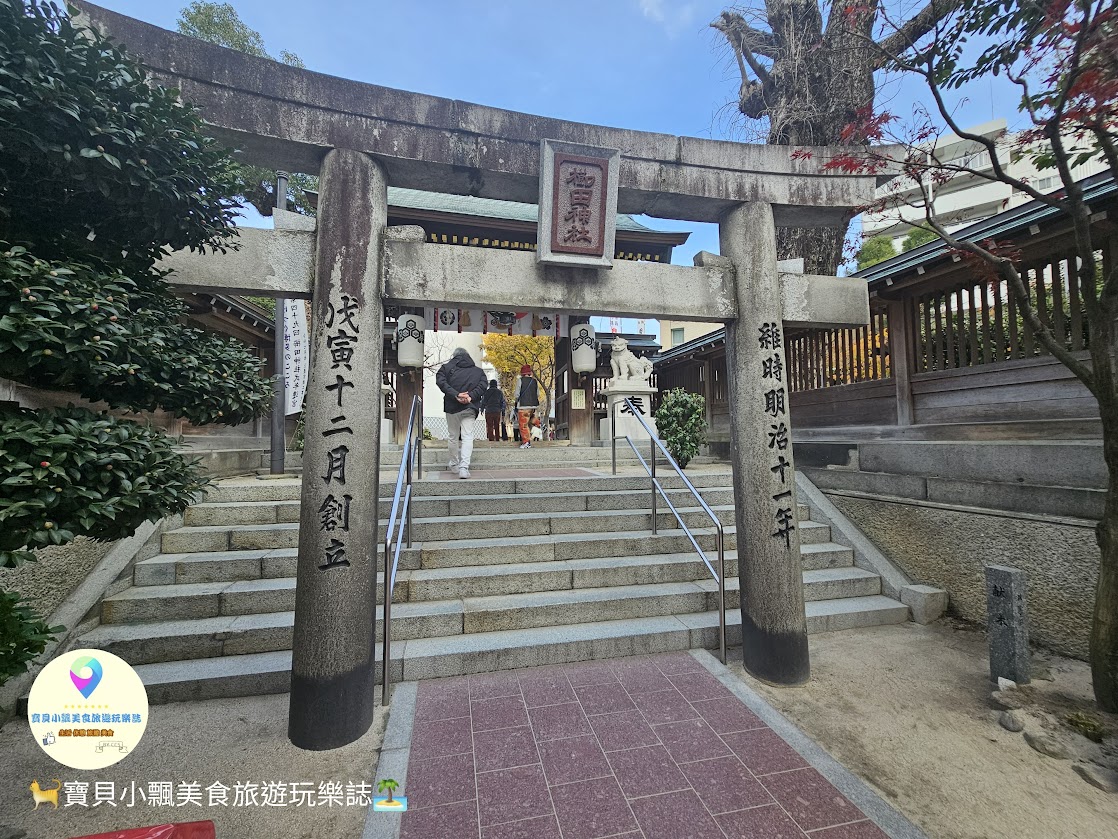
(651, 65)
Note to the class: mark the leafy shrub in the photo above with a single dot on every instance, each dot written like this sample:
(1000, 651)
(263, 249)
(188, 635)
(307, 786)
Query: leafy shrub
(101, 169)
(23, 635)
(69, 471)
(111, 339)
(681, 423)
(98, 158)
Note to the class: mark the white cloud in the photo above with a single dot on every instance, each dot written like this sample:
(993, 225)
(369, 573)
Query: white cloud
(675, 17)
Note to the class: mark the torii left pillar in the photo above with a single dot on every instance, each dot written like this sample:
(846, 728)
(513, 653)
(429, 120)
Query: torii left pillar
(333, 664)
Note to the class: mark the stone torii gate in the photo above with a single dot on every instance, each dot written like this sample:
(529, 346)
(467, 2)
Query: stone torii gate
(359, 138)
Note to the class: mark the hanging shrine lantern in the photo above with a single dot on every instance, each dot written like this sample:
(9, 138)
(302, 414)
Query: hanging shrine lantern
(584, 348)
(409, 340)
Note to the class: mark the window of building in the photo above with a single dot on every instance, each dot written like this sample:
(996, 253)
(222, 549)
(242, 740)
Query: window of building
(677, 336)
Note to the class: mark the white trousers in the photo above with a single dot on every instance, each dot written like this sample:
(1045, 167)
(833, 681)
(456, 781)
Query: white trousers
(460, 427)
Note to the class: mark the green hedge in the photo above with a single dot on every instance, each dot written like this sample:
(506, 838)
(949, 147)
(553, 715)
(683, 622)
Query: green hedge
(69, 471)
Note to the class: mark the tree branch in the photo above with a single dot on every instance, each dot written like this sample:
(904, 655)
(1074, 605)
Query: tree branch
(741, 34)
(916, 28)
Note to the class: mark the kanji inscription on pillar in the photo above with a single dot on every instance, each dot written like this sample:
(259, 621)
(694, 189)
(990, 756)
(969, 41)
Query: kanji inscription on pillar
(578, 204)
(771, 343)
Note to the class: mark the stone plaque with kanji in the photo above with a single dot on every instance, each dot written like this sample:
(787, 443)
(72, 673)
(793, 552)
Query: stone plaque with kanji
(578, 204)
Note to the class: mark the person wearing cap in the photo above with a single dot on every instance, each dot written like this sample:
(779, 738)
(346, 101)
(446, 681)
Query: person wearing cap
(527, 401)
(463, 386)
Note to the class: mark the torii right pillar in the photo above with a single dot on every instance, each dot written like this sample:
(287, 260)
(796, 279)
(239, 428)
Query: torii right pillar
(773, 624)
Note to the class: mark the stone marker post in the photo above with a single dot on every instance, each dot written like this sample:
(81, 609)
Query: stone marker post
(1007, 620)
(332, 668)
(773, 625)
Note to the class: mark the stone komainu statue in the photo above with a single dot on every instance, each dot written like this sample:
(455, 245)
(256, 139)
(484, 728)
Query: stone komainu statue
(626, 366)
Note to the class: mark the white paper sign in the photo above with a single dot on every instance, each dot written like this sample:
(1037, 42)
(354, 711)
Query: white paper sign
(296, 354)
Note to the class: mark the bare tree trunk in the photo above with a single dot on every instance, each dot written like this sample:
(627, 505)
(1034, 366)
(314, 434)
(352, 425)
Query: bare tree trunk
(1104, 631)
(820, 247)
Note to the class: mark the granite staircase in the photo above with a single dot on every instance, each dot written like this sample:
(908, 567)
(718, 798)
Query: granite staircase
(504, 572)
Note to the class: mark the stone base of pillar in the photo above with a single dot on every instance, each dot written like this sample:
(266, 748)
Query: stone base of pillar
(641, 395)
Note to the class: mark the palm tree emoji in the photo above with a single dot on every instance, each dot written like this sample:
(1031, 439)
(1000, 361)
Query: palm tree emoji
(389, 785)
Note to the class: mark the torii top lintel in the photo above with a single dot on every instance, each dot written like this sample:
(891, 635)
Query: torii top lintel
(288, 118)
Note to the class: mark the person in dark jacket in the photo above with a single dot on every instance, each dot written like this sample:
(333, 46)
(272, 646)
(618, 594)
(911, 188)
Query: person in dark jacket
(463, 386)
(527, 401)
(493, 404)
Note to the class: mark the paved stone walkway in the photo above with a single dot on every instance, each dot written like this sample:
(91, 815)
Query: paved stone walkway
(648, 746)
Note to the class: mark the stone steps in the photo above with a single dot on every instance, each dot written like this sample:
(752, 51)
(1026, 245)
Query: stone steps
(251, 537)
(210, 514)
(503, 572)
(269, 672)
(231, 566)
(234, 634)
(245, 490)
(184, 600)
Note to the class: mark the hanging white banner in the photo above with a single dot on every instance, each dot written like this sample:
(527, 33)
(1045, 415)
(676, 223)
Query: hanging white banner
(501, 323)
(296, 354)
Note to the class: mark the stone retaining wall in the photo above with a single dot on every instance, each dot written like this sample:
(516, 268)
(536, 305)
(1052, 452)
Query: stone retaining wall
(948, 547)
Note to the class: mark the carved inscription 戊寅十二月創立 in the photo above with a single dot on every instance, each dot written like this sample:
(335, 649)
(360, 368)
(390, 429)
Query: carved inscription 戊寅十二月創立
(333, 515)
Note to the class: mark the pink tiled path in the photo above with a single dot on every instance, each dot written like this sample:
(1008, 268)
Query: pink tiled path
(651, 747)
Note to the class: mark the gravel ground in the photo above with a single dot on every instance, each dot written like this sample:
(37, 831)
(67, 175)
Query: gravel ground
(908, 708)
(227, 741)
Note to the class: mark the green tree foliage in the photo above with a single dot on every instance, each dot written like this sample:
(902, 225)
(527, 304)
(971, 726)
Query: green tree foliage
(219, 23)
(101, 170)
(917, 236)
(874, 250)
(681, 423)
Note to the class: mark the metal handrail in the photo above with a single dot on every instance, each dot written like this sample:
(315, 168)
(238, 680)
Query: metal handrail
(650, 468)
(401, 507)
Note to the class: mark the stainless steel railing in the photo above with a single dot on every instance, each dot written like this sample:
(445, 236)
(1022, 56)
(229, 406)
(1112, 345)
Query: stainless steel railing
(656, 488)
(401, 508)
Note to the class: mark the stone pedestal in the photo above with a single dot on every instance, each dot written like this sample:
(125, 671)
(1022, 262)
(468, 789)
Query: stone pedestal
(773, 623)
(641, 394)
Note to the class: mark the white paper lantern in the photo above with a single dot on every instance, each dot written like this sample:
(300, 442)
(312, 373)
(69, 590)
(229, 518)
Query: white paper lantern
(584, 348)
(409, 340)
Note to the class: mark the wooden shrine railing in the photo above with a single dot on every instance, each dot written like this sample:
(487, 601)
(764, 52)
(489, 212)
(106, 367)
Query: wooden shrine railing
(953, 349)
(839, 356)
(949, 347)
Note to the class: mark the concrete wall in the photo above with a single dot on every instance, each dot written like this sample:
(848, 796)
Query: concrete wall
(58, 571)
(948, 547)
(691, 330)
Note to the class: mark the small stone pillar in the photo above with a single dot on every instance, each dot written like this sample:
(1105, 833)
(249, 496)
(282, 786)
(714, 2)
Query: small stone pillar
(332, 667)
(1007, 620)
(773, 624)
